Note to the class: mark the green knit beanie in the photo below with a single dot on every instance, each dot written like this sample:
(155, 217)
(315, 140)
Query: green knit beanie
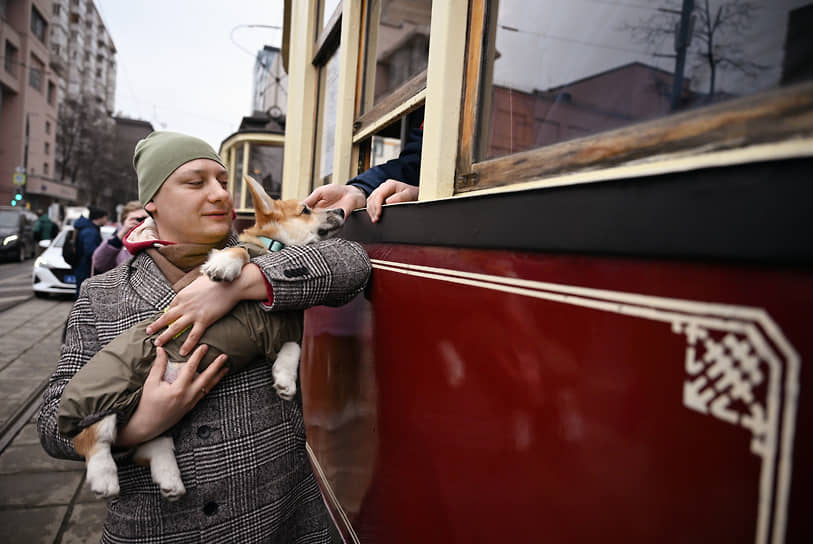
(160, 154)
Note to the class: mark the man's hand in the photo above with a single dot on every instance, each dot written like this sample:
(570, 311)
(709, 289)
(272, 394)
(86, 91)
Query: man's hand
(163, 404)
(346, 197)
(389, 192)
(203, 302)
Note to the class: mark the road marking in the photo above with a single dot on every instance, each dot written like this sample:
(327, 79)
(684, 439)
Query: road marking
(18, 277)
(15, 299)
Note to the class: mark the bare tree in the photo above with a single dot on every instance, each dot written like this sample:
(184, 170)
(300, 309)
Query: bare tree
(719, 29)
(84, 138)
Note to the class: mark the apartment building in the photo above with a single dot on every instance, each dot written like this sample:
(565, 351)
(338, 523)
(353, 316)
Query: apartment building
(28, 106)
(82, 52)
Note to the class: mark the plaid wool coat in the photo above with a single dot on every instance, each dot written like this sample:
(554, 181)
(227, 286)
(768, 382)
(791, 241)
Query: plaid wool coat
(241, 450)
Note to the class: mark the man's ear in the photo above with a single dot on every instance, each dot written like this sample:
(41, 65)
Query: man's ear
(150, 207)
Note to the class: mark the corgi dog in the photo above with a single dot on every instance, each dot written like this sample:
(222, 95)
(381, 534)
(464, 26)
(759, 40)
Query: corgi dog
(277, 223)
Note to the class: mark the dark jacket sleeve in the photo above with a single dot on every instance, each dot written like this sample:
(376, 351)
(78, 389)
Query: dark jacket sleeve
(329, 273)
(406, 167)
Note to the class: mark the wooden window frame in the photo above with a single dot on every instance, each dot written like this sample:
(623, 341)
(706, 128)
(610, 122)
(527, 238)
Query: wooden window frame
(327, 41)
(768, 117)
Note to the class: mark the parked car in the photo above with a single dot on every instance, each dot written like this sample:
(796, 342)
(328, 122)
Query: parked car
(17, 233)
(51, 274)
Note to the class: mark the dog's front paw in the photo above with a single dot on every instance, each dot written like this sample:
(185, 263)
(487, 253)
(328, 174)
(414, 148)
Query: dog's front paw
(286, 389)
(103, 476)
(221, 266)
(284, 382)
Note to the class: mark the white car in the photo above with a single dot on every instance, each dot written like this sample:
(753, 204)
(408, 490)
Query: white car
(51, 274)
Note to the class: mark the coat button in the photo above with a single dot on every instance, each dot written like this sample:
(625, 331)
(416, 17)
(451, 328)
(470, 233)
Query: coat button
(210, 509)
(296, 272)
(204, 431)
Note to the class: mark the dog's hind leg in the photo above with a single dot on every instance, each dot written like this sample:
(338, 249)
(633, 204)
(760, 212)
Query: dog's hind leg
(94, 443)
(159, 454)
(285, 370)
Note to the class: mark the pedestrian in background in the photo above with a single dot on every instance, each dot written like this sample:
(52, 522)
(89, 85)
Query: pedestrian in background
(88, 238)
(112, 252)
(44, 228)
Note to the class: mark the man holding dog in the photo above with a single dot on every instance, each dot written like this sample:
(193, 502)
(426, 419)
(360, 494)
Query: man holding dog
(241, 449)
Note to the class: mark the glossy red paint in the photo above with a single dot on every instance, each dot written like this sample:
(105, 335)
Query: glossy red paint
(446, 410)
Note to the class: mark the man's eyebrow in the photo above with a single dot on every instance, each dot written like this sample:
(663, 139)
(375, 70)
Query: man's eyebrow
(201, 172)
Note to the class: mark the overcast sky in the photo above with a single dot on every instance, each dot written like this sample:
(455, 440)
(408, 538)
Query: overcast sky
(177, 65)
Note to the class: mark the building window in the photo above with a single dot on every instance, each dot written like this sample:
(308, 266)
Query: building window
(10, 59)
(45, 168)
(55, 49)
(74, 18)
(98, 72)
(57, 9)
(47, 128)
(38, 24)
(51, 92)
(35, 74)
(47, 148)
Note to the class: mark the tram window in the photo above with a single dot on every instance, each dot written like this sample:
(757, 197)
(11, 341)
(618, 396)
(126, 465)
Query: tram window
(237, 192)
(383, 149)
(397, 46)
(265, 165)
(557, 70)
(328, 8)
(388, 142)
(326, 121)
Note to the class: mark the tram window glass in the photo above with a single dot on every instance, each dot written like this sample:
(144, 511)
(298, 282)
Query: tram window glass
(237, 194)
(329, 7)
(326, 121)
(265, 165)
(383, 149)
(397, 46)
(556, 70)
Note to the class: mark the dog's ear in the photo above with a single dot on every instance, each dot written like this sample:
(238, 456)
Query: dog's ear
(262, 202)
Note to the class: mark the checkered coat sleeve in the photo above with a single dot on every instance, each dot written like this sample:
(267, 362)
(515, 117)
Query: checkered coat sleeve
(241, 450)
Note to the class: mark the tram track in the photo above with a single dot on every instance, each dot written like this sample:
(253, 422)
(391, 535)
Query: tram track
(21, 416)
(29, 348)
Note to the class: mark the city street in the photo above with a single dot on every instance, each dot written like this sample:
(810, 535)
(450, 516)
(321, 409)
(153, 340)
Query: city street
(42, 500)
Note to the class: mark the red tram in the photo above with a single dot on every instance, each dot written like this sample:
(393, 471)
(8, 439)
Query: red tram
(593, 325)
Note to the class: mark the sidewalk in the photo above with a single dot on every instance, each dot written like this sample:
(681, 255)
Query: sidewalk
(42, 499)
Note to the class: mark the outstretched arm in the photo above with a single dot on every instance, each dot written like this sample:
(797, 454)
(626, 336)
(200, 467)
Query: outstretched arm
(330, 272)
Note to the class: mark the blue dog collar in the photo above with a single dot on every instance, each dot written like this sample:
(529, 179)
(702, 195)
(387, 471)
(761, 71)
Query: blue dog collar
(271, 244)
